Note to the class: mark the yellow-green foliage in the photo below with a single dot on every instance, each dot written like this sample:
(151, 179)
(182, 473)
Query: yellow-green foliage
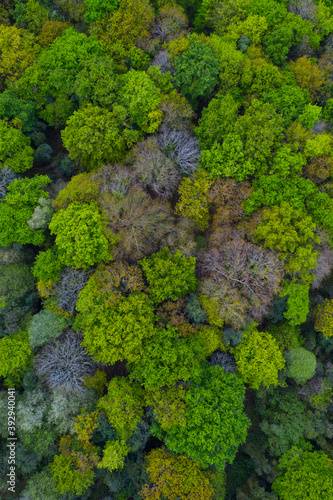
(114, 454)
(258, 358)
(123, 405)
(211, 308)
(193, 198)
(211, 338)
(79, 189)
(97, 382)
(169, 406)
(324, 318)
(176, 478)
(17, 51)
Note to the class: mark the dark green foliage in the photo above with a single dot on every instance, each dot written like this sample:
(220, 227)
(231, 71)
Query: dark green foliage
(18, 296)
(289, 101)
(12, 107)
(278, 43)
(196, 73)
(194, 310)
(231, 336)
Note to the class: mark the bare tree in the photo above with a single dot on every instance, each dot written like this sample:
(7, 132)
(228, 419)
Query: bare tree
(225, 360)
(65, 363)
(163, 61)
(171, 23)
(114, 179)
(304, 8)
(243, 276)
(141, 222)
(154, 170)
(182, 148)
(67, 289)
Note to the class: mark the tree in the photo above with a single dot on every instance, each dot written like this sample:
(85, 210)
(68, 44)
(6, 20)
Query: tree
(141, 97)
(278, 44)
(64, 363)
(297, 302)
(12, 109)
(18, 207)
(67, 289)
(196, 72)
(15, 150)
(154, 170)
(175, 478)
(304, 473)
(216, 424)
(128, 25)
(217, 120)
(53, 75)
(169, 276)
(68, 478)
(141, 223)
(288, 100)
(114, 454)
(258, 358)
(45, 326)
(241, 279)
(92, 137)
(18, 51)
(169, 406)
(81, 188)
(80, 239)
(123, 405)
(167, 359)
(291, 232)
(97, 10)
(308, 76)
(301, 364)
(50, 31)
(17, 296)
(15, 356)
(182, 148)
(193, 200)
(324, 318)
(47, 265)
(116, 330)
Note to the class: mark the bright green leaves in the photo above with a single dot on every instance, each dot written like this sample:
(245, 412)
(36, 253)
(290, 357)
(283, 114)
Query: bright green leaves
(79, 234)
(15, 356)
(92, 137)
(169, 276)
(304, 474)
(18, 207)
(168, 358)
(216, 422)
(140, 97)
(114, 331)
(259, 359)
(96, 9)
(15, 150)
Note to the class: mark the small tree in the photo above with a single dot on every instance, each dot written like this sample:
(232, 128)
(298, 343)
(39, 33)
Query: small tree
(324, 318)
(15, 357)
